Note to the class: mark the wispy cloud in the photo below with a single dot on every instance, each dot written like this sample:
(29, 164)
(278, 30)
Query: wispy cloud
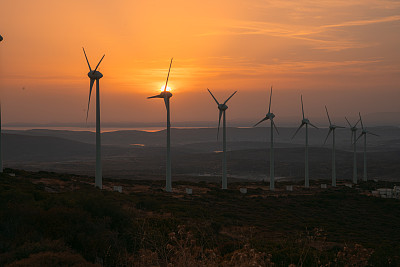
(363, 22)
(241, 68)
(317, 5)
(320, 34)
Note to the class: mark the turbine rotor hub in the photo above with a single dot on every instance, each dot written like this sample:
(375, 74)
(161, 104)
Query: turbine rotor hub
(166, 94)
(222, 107)
(96, 75)
(305, 121)
(270, 116)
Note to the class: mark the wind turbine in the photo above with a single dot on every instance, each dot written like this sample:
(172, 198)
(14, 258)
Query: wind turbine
(332, 128)
(222, 108)
(353, 129)
(1, 154)
(166, 95)
(95, 76)
(305, 122)
(270, 116)
(364, 132)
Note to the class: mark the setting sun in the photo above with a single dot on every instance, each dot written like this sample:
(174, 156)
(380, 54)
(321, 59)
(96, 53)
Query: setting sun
(168, 88)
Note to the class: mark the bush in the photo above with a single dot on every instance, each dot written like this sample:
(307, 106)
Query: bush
(53, 259)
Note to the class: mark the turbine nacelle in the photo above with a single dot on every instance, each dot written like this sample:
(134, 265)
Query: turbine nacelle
(166, 94)
(222, 107)
(270, 116)
(304, 121)
(95, 75)
(364, 130)
(1, 38)
(163, 94)
(353, 128)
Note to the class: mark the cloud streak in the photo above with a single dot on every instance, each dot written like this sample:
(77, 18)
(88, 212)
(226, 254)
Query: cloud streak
(323, 36)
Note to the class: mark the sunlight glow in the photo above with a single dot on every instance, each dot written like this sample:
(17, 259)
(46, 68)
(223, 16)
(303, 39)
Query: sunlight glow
(162, 88)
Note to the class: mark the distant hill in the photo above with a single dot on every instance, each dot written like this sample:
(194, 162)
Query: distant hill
(48, 148)
(130, 154)
(199, 135)
(383, 118)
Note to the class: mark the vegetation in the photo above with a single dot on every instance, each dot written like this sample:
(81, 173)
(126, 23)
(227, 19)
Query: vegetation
(57, 219)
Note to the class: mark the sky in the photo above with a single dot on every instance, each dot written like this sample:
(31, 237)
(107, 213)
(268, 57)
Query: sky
(343, 54)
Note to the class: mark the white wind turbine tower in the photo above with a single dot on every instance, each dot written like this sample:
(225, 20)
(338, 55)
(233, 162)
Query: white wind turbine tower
(222, 108)
(365, 132)
(305, 122)
(270, 116)
(332, 129)
(166, 95)
(1, 154)
(353, 137)
(95, 76)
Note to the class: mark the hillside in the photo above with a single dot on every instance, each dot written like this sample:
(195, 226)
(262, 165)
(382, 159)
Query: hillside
(246, 159)
(63, 219)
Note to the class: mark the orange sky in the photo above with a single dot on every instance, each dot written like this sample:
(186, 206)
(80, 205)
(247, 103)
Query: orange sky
(340, 53)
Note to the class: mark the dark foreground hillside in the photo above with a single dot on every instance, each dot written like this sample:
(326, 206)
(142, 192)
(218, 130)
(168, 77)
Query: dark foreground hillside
(49, 219)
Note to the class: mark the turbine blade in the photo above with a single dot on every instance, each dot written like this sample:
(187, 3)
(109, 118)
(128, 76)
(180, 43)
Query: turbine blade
(87, 59)
(362, 125)
(156, 96)
(356, 123)
(90, 93)
(373, 134)
(266, 118)
(330, 130)
(270, 98)
(313, 125)
(170, 64)
(348, 122)
(330, 123)
(302, 108)
(276, 128)
(166, 101)
(99, 62)
(219, 122)
(298, 129)
(229, 97)
(359, 137)
(216, 101)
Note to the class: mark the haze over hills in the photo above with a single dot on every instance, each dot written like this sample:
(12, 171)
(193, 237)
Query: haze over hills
(139, 154)
(388, 118)
(386, 141)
